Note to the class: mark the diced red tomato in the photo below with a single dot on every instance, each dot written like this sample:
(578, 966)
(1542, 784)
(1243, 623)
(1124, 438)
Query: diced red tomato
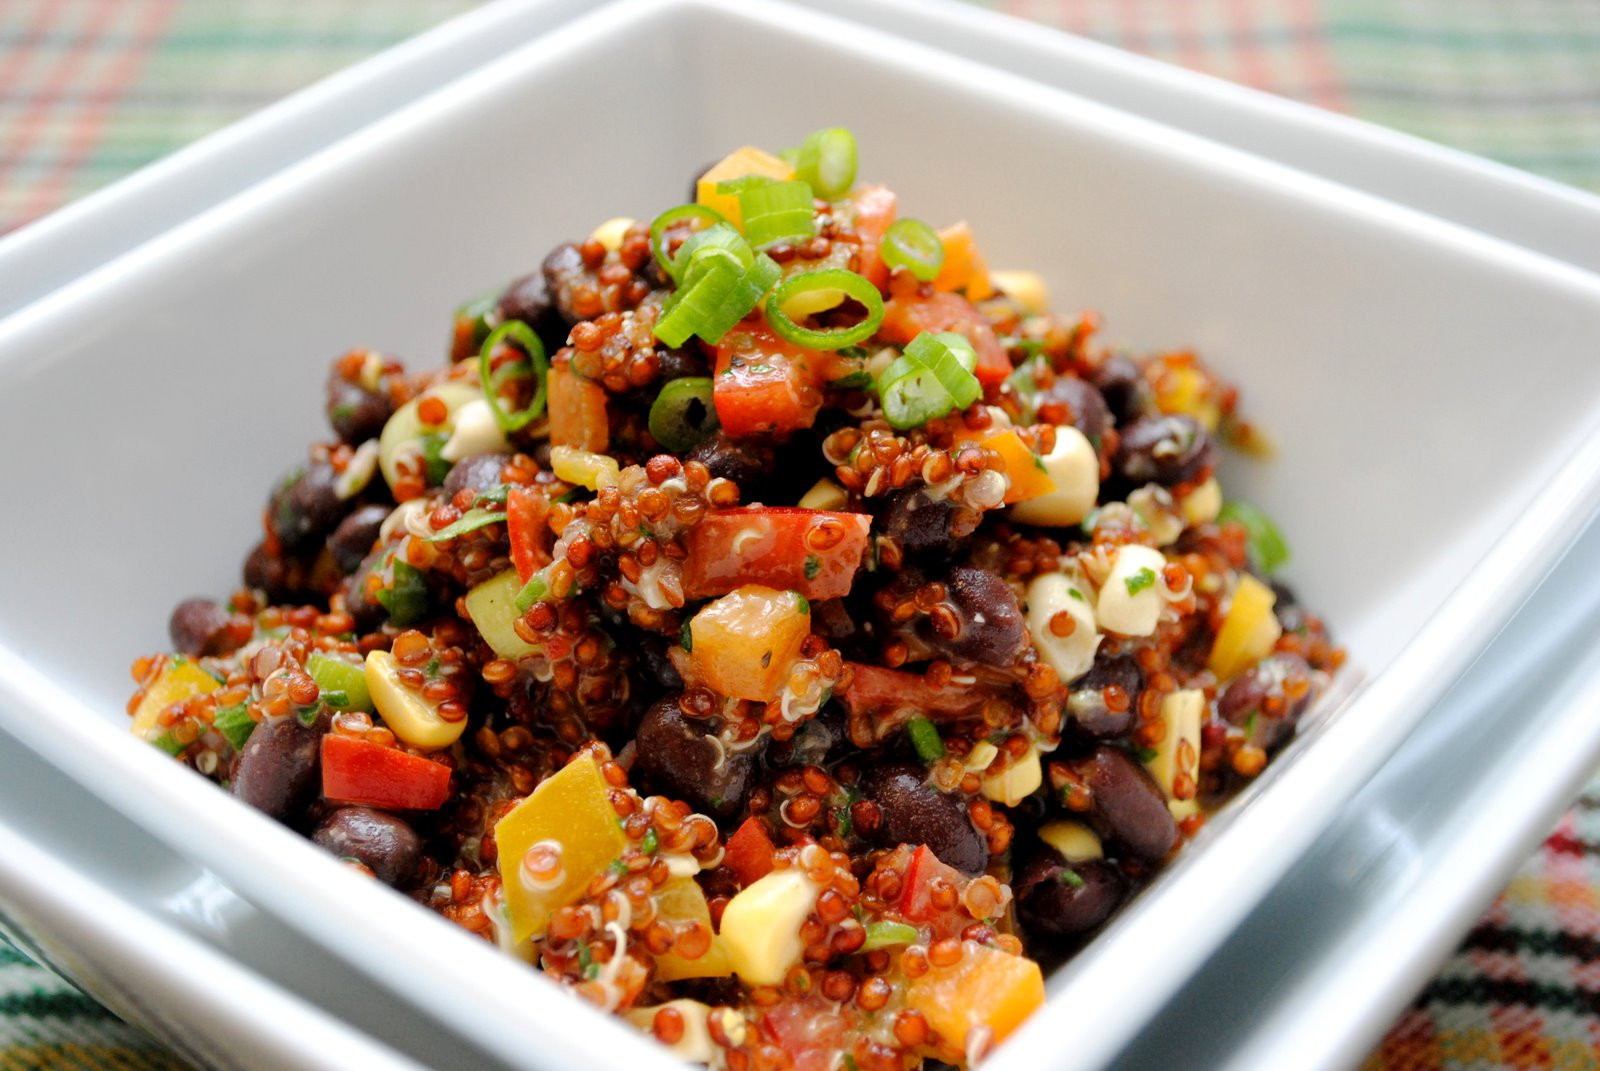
(874, 689)
(525, 524)
(875, 210)
(577, 409)
(916, 896)
(364, 772)
(763, 384)
(749, 852)
(814, 552)
(810, 1029)
(905, 318)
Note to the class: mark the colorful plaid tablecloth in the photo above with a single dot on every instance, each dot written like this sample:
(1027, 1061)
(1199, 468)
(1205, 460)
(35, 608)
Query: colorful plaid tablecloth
(93, 89)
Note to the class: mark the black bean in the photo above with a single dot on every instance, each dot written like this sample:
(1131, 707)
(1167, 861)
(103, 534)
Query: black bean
(1168, 450)
(368, 612)
(479, 472)
(1123, 387)
(352, 541)
(355, 413)
(382, 843)
(306, 505)
(1290, 614)
(916, 812)
(920, 524)
(1086, 406)
(1064, 899)
(562, 270)
(1128, 804)
(1244, 701)
(677, 363)
(283, 577)
(1087, 702)
(747, 462)
(653, 658)
(199, 627)
(277, 771)
(526, 299)
(992, 629)
(681, 759)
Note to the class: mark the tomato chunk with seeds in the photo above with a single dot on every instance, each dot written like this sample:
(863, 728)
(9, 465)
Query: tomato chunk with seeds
(763, 384)
(904, 318)
(874, 212)
(815, 552)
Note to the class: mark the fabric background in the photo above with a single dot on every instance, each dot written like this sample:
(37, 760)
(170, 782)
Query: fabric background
(93, 89)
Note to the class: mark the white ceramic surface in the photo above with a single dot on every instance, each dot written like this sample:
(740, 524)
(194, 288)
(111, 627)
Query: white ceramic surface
(1178, 240)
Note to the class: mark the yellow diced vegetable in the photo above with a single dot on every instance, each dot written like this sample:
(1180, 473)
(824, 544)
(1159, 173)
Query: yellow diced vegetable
(571, 813)
(986, 987)
(1017, 781)
(1185, 389)
(1026, 288)
(409, 716)
(681, 900)
(582, 467)
(609, 233)
(744, 643)
(1249, 631)
(1178, 753)
(737, 164)
(492, 607)
(761, 925)
(181, 679)
(824, 494)
(1076, 842)
(694, 1045)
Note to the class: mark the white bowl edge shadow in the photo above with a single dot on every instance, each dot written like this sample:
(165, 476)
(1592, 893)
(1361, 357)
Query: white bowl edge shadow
(1215, 174)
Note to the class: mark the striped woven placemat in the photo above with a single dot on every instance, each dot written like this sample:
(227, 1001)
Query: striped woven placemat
(93, 89)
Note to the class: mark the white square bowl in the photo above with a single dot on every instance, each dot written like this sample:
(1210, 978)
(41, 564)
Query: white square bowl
(1432, 390)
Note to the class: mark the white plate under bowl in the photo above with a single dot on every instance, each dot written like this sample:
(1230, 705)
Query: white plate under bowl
(159, 396)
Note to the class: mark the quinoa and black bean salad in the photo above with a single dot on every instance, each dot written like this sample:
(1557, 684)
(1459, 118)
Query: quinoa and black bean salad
(769, 621)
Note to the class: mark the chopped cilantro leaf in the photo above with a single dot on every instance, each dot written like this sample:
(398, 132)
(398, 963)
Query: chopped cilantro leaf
(813, 566)
(1144, 578)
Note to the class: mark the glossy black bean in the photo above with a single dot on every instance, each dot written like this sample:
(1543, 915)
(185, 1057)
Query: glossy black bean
(1123, 387)
(355, 413)
(526, 299)
(1064, 899)
(682, 760)
(199, 627)
(282, 577)
(1128, 804)
(1168, 450)
(277, 771)
(381, 842)
(1290, 614)
(653, 658)
(677, 363)
(478, 472)
(352, 541)
(1087, 704)
(915, 812)
(367, 611)
(305, 505)
(1245, 700)
(992, 629)
(562, 270)
(1086, 406)
(747, 462)
(920, 524)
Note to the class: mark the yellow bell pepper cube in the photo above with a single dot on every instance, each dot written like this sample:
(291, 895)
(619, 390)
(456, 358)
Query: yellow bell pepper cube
(1249, 631)
(181, 679)
(681, 900)
(737, 164)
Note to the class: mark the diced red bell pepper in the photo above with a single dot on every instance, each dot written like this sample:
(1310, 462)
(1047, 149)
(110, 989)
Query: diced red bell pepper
(875, 211)
(763, 384)
(749, 852)
(874, 689)
(904, 318)
(916, 896)
(526, 512)
(814, 552)
(365, 772)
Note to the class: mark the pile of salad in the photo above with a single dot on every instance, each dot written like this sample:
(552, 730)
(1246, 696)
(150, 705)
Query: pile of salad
(768, 621)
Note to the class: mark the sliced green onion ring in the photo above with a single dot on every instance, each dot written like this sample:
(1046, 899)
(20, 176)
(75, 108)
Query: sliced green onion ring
(536, 364)
(912, 395)
(665, 221)
(849, 284)
(535, 590)
(776, 212)
(915, 246)
(470, 521)
(724, 236)
(886, 934)
(950, 357)
(683, 416)
(717, 292)
(826, 161)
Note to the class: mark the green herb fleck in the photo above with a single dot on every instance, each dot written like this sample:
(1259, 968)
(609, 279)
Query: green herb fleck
(925, 740)
(651, 842)
(1068, 876)
(686, 636)
(337, 698)
(1250, 725)
(1145, 754)
(813, 566)
(433, 462)
(308, 714)
(234, 723)
(619, 868)
(1144, 578)
(861, 380)
(802, 604)
(1075, 593)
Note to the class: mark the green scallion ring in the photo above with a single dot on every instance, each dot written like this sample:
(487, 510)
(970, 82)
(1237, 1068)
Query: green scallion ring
(826, 161)
(683, 416)
(912, 395)
(658, 229)
(521, 334)
(913, 245)
(950, 357)
(847, 283)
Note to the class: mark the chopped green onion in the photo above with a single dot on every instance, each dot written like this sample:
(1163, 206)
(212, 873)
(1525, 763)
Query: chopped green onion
(683, 416)
(889, 934)
(537, 587)
(235, 724)
(925, 740)
(950, 357)
(860, 379)
(717, 236)
(912, 395)
(826, 161)
(776, 212)
(334, 674)
(1025, 382)
(536, 365)
(405, 598)
(666, 220)
(434, 466)
(1265, 544)
(738, 186)
(1070, 877)
(717, 292)
(847, 283)
(470, 521)
(913, 245)
(169, 743)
